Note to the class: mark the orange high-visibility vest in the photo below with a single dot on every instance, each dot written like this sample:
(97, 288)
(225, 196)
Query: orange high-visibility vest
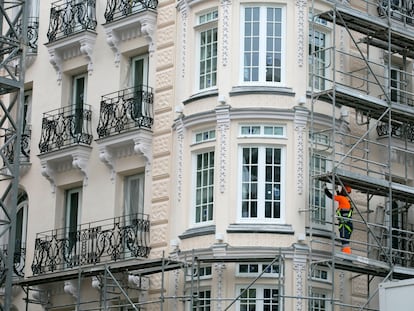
(343, 202)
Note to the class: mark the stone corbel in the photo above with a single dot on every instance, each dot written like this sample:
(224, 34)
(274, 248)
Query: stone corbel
(148, 30)
(70, 287)
(139, 282)
(86, 48)
(112, 39)
(56, 60)
(96, 283)
(106, 156)
(142, 145)
(40, 295)
(80, 161)
(49, 172)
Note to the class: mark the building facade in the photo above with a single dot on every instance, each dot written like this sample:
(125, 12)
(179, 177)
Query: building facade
(175, 155)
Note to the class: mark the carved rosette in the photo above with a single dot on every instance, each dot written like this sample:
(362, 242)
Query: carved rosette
(225, 4)
(301, 117)
(223, 126)
(300, 22)
(219, 268)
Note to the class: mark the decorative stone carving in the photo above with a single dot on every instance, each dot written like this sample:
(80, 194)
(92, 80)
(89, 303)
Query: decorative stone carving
(299, 268)
(300, 22)
(183, 8)
(180, 151)
(223, 126)
(219, 268)
(301, 118)
(225, 4)
(71, 287)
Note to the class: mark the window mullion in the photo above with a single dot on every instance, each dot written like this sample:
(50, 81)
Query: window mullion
(262, 44)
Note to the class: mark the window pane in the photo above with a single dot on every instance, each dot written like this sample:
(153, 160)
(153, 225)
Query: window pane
(204, 187)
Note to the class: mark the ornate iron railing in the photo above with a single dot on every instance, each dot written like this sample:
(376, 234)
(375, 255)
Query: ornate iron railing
(32, 32)
(19, 260)
(116, 9)
(24, 145)
(71, 16)
(401, 131)
(65, 127)
(402, 10)
(99, 242)
(125, 110)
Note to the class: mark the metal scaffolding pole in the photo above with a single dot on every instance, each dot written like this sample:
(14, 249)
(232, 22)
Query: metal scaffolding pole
(13, 44)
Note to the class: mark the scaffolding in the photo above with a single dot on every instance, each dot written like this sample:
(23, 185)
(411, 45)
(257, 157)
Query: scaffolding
(13, 38)
(362, 77)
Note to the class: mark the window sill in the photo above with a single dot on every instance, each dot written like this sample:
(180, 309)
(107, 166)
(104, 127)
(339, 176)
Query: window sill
(320, 232)
(201, 95)
(199, 231)
(262, 89)
(260, 228)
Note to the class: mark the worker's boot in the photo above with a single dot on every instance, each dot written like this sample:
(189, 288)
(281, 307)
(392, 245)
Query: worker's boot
(346, 249)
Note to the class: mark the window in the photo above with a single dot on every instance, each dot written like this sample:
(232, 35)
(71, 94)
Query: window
(21, 227)
(73, 212)
(320, 274)
(134, 195)
(255, 269)
(318, 301)
(204, 187)
(263, 130)
(262, 44)
(262, 170)
(201, 273)
(318, 55)
(140, 89)
(78, 101)
(319, 210)
(205, 136)
(259, 298)
(203, 302)
(139, 71)
(207, 42)
(397, 84)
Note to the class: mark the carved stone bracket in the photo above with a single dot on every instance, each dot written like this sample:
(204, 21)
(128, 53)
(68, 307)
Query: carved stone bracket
(73, 46)
(71, 287)
(54, 163)
(106, 156)
(122, 30)
(143, 145)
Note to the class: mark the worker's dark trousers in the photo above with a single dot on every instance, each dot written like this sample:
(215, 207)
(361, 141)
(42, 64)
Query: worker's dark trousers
(345, 230)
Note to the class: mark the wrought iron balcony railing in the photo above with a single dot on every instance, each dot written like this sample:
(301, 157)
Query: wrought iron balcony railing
(402, 10)
(19, 260)
(32, 32)
(401, 131)
(68, 17)
(110, 240)
(9, 138)
(116, 9)
(65, 127)
(125, 110)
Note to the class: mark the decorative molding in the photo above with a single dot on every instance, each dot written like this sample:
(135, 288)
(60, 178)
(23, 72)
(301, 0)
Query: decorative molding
(73, 46)
(183, 8)
(299, 268)
(80, 161)
(71, 287)
(128, 28)
(48, 172)
(223, 125)
(219, 268)
(300, 22)
(180, 151)
(301, 119)
(96, 283)
(138, 282)
(106, 156)
(225, 4)
(342, 290)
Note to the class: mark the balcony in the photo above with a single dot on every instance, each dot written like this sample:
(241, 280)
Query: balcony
(71, 32)
(65, 141)
(9, 147)
(402, 10)
(104, 241)
(127, 20)
(19, 260)
(125, 122)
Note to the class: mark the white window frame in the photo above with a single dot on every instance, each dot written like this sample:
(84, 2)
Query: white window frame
(127, 194)
(205, 304)
(322, 27)
(261, 130)
(204, 136)
(255, 268)
(201, 27)
(260, 288)
(319, 293)
(195, 155)
(74, 249)
(261, 185)
(317, 271)
(200, 273)
(145, 73)
(261, 65)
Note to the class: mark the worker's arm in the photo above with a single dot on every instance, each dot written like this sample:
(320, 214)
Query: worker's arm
(327, 192)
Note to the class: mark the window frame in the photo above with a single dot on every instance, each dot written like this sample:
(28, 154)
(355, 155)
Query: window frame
(127, 194)
(194, 170)
(145, 73)
(262, 50)
(315, 292)
(325, 30)
(261, 184)
(260, 267)
(260, 288)
(207, 306)
(69, 217)
(200, 28)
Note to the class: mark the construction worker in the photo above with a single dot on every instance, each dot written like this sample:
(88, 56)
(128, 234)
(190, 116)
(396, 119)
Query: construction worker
(344, 214)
